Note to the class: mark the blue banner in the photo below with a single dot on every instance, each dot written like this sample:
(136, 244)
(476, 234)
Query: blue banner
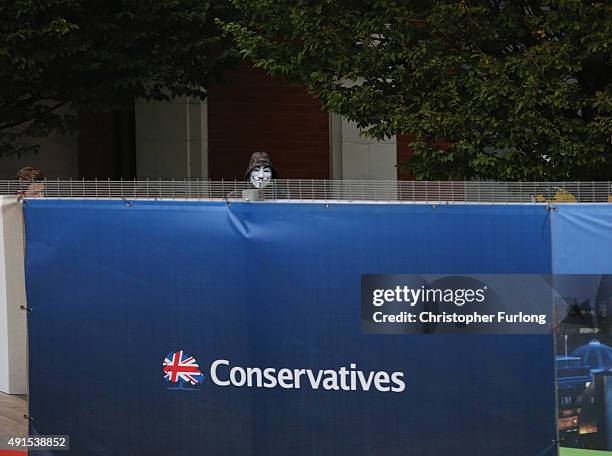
(582, 244)
(207, 328)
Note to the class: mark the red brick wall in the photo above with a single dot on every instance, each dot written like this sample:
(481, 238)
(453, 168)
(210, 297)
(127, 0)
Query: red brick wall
(106, 145)
(254, 112)
(404, 152)
(96, 145)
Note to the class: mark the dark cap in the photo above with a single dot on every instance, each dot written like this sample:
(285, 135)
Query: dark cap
(260, 159)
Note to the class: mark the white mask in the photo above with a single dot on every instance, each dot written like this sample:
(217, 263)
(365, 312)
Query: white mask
(260, 176)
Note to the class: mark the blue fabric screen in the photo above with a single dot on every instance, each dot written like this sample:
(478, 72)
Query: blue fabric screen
(114, 288)
(582, 239)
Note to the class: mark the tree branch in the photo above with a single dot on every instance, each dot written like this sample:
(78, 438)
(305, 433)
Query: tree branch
(32, 118)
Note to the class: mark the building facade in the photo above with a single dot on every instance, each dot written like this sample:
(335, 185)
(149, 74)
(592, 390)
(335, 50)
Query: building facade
(213, 139)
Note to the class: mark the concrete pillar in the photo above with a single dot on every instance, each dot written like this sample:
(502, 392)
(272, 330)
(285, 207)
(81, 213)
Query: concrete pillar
(171, 139)
(358, 157)
(13, 320)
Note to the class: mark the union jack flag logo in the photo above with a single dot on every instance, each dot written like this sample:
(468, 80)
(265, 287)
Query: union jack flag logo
(182, 368)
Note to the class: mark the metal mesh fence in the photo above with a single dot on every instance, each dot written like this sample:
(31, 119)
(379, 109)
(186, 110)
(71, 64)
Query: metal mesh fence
(319, 190)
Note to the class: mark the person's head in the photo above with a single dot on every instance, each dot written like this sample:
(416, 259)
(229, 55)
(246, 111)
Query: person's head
(260, 170)
(35, 188)
(30, 174)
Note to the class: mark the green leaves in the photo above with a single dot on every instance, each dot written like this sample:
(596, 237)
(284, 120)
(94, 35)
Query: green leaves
(95, 54)
(521, 90)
